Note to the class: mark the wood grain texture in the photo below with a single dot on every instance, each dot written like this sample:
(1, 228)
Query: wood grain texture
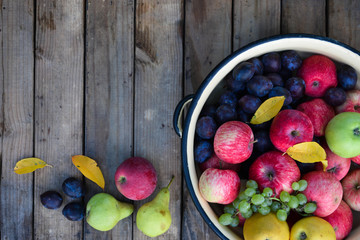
(59, 80)
(17, 85)
(158, 81)
(207, 42)
(109, 98)
(255, 19)
(344, 21)
(306, 16)
(207, 38)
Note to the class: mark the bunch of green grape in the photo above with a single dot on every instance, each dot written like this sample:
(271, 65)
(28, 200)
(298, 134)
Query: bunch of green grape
(251, 200)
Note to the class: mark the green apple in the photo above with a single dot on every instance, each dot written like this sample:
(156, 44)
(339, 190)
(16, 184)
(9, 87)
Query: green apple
(103, 211)
(343, 134)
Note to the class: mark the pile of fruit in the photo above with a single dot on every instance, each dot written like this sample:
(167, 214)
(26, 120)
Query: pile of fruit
(135, 178)
(278, 113)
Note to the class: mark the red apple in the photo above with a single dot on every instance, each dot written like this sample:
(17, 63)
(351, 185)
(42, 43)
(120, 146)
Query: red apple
(325, 190)
(319, 74)
(351, 186)
(290, 127)
(215, 162)
(341, 220)
(356, 159)
(233, 142)
(219, 186)
(319, 112)
(337, 165)
(352, 103)
(241, 219)
(274, 170)
(135, 178)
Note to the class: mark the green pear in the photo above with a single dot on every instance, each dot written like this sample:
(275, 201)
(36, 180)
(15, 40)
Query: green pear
(103, 211)
(154, 218)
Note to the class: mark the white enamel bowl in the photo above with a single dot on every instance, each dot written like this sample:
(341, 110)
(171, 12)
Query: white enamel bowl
(211, 88)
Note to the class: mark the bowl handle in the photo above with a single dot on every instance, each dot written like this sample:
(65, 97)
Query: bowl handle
(178, 113)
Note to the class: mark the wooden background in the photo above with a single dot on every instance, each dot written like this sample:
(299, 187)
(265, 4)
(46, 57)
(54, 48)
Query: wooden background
(102, 78)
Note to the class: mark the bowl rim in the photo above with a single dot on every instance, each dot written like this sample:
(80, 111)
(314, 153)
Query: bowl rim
(203, 86)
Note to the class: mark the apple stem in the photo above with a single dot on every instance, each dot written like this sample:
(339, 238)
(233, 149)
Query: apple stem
(255, 141)
(357, 187)
(357, 131)
(172, 179)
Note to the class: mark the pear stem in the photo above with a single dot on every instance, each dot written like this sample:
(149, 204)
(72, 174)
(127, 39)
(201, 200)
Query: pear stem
(172, 179)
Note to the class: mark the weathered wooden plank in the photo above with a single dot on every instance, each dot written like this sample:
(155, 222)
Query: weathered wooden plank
(207, 38)
(207, 42)
(17, 86)
(59, 80)
(344, 21)
(306, 16)
(109, 98)
(255, 19)
(158, 78)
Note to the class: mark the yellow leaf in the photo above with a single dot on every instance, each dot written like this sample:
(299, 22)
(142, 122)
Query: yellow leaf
(308, 152)
(90, 169)
(28, 165)
(267, 110)
(325, 165)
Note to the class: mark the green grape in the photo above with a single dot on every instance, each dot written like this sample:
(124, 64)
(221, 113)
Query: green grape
(225, 219)
(264, 210)
(310, 207)
(236, 202)
(302, 198)
(302, 185)
(242, 196)
(268, 202)
(286, 207)
(275, 206)
(257, 199)
(281, 215)
(247, 214)
(235, 222)
(294, 202)
(295, 186)
(250, 192)
(244, 206)
(268, 192)
(284, 196)
(251, 184)
(254, 208)
(230, 209)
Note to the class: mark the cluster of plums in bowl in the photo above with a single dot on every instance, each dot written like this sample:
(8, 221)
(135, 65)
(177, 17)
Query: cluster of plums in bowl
(322, 104)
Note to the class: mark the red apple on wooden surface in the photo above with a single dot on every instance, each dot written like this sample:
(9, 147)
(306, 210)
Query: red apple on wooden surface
(319, 74)
(219, 186)
(274, 170)
(341, 220)
(337, 165)
(215, 162)
(352, 103)
(290, 127)
(319, 112)
(233, 142)
(325, 190)
(136, 178)
(351, 186)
